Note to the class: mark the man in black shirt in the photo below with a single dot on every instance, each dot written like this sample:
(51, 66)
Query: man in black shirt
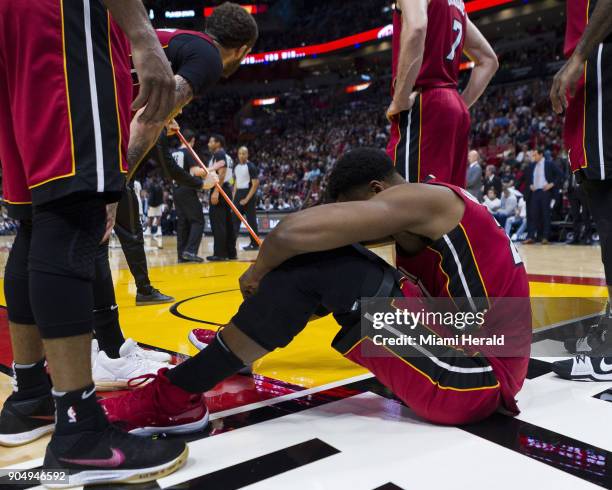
(245, 188)
(221, 215)
(190, 217)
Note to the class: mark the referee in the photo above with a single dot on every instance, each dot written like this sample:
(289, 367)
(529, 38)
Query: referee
(221, 216)
(245, 188)
(190, 217)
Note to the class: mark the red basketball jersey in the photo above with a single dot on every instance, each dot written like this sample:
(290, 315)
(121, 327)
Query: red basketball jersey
(478, 261)
(166, 35)
(577, 15)
(446, 26)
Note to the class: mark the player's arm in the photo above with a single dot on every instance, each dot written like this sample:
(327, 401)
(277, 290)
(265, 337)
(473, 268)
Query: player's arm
(254, 184)
(599, 27)
(152, 66)
(220, 166)
(429, 211)
(143, 135)
(485, 61)
(412, 47)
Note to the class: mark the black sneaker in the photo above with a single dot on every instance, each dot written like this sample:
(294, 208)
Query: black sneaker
(585, 368)
(594, 342)
(153, 298)
(24, 421)
(189, 257)
(113, 456)
(215, 258)
(250, 248)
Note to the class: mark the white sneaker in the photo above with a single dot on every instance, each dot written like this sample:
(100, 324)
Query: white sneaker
(114, 374)
(151, 355)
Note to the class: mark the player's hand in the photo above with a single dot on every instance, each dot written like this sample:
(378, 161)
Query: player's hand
(111, 216)
(243, 202)
(157, 84)
(566, 80)
(198, 172)
(249, 282)
(397, 107)
(172, 128)
(214, 198)
(212, 179)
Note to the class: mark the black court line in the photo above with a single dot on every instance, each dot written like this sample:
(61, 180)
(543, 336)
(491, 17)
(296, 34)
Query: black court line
(538, 368)
(606, 396)
(258, 469)
(389, 486)
(174, 309)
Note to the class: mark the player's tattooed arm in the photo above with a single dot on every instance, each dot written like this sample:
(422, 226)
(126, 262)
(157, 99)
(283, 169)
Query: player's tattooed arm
(599, 27)
(429, 211)
(144, 135)
(485, 61)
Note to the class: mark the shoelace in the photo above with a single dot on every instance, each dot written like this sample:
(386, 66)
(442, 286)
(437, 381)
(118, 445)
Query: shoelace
(140, 380)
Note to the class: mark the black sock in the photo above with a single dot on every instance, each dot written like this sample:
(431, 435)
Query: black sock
(205, 370)
(32, 380)
(107, 331)
(78, 411)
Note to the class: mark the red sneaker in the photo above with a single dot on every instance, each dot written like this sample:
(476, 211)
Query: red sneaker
(201, 337)
(159, 407)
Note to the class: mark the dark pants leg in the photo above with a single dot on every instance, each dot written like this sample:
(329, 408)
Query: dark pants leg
(129, 232)
(599, 195)
(182, 230)
(249, 211)
(217, 223)
(106, 313)
(546, 212)
(195, 220)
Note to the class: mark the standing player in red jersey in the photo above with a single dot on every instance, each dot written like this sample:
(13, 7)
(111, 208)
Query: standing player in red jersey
(65, 94)
(583, 88)
(307, 267)
(430, 122)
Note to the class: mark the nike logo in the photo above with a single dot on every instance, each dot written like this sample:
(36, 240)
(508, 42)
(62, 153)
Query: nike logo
(605, 367)
(117, 459)
(87, 394)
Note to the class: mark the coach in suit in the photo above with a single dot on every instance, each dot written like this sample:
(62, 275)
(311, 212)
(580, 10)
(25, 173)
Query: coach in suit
(542, 176)
(474, 175)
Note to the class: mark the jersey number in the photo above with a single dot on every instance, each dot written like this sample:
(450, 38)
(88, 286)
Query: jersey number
(458, 28)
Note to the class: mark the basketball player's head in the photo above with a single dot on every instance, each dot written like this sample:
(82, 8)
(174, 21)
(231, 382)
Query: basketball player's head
(235, 31)
(216, 142)
(360, 174)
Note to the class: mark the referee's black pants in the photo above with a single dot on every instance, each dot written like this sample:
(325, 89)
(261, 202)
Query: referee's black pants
(129, 231)
(222, 224)
(248, 210)
(599, 195)
(190, 220)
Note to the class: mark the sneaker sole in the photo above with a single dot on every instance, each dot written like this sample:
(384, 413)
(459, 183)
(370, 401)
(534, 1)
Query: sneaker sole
(179, 429)
(13, 440)
(133, 476)
(150, 303)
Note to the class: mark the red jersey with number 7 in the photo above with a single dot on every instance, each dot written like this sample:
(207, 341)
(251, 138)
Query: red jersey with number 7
(446, 26)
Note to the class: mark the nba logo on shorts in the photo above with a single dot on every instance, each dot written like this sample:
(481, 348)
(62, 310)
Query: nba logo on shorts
(71, 415)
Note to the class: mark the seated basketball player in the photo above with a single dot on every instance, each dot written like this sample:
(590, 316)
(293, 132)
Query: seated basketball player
(306, 266)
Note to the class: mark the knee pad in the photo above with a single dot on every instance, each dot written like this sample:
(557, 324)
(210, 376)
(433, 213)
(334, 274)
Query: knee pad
(66, 235)
(16, 277)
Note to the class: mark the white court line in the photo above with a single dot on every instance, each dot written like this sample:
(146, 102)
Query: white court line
(290, 396)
